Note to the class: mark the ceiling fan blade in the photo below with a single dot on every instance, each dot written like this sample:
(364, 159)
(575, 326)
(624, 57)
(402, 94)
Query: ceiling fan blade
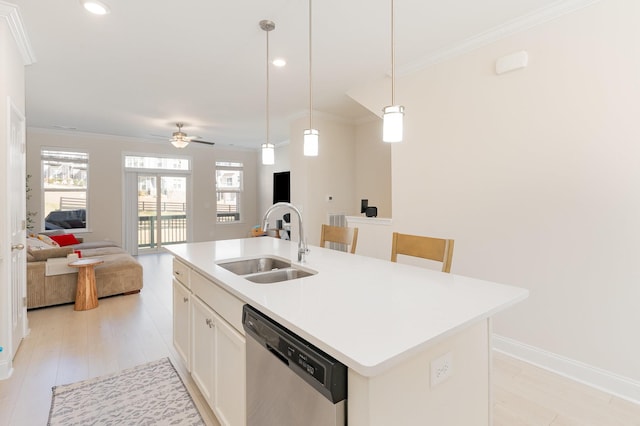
(203, 142)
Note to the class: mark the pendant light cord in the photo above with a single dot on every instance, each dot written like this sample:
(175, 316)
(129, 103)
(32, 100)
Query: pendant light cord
(310, 70)
(393, 57)
(267, 87)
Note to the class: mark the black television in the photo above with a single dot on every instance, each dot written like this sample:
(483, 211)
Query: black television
(281, 187)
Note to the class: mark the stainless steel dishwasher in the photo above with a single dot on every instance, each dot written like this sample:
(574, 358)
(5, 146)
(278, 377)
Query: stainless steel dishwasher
(289, 381)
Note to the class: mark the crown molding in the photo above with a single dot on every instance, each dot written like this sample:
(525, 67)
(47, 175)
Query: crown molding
(12, 15)
(538, 17)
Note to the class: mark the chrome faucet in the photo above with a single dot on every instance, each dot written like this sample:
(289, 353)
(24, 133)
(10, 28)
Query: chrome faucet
(302, 244)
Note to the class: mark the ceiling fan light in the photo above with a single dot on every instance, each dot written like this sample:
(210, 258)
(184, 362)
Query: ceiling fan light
(96, 7)
(179, 143)
(311, 143)
(268, 154)
(392, 123)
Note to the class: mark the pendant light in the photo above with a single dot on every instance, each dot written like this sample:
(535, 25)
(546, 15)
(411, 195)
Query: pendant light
(268, 149)
(310, 134)
(392, 115)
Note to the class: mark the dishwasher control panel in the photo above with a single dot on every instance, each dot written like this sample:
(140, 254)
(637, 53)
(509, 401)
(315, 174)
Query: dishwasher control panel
(303, 360)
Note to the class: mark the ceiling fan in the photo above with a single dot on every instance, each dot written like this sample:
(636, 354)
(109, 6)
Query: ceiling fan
(180, 139)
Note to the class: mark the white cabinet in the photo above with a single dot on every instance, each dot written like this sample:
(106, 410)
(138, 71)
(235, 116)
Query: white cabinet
(182, 322)
(208, 335)
(203, 348)
(229, 398)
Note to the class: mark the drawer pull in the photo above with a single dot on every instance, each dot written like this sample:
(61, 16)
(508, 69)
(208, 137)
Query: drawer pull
(185, 299)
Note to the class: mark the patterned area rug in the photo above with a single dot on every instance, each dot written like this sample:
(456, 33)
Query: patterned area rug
(149, 394)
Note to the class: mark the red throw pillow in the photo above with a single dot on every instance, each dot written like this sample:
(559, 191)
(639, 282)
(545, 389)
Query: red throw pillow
(65, 239)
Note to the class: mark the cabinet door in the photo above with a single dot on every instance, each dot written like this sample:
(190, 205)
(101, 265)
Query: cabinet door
(203, 348)
(230, 368)
(182, 322)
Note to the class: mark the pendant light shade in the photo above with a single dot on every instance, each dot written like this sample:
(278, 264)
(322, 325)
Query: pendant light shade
(392, 118)
(311, 135)
(311, 143)
(392, 123)
(268, 154)
(268, 149)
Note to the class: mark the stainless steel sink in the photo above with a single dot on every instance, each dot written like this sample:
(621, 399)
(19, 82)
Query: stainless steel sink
(265, 270)
(252, 266)
(279, 275)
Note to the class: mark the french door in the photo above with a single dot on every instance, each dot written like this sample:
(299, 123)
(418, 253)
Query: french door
(162, 210)
(156, 210)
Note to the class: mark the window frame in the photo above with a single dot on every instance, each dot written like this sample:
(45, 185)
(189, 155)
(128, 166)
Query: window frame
(70, 151)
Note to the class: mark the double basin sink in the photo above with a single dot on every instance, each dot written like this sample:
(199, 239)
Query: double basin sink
(265, 270)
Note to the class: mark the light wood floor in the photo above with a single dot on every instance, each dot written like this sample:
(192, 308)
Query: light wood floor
(66, 346)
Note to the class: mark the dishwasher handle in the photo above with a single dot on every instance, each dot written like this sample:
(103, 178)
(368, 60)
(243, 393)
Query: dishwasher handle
(277, 354)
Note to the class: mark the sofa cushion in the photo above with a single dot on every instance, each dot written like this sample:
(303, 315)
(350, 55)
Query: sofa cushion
(94, 244)
(46, 239)
(34, 243)
(101, 251)
(65, 239)
(44, 254)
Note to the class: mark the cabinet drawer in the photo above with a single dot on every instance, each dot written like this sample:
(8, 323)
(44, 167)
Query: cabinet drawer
(181, 272)
(224, 303)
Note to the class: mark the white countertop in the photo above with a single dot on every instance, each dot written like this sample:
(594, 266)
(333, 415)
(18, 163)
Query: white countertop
(370, 314)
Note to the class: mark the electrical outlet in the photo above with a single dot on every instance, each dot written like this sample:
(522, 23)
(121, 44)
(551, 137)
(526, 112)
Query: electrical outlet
(441, 369)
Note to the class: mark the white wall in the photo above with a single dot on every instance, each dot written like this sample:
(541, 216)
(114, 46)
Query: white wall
(352, 164)
(373, 166)
(265, 177)
(536, 174)
(106, 173)
(331, 173)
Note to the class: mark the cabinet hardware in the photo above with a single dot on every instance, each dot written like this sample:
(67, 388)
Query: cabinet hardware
(185, 299)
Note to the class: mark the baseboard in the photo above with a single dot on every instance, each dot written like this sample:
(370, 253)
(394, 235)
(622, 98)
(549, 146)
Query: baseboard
(6, 369)
(597, 378)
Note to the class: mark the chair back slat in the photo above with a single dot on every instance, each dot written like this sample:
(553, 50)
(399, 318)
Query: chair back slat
(438, 249)
(340, 235)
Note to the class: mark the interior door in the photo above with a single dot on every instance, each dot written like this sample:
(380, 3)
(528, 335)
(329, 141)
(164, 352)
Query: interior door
(17, 203)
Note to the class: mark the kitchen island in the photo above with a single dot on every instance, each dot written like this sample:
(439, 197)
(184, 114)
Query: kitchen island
(394, 326)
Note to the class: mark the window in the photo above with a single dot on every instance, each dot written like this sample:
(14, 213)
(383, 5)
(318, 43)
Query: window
(228, 191)
(64, 186)
(159, 163)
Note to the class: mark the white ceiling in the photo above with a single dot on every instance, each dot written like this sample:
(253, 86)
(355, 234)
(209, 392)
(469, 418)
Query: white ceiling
(151, 63)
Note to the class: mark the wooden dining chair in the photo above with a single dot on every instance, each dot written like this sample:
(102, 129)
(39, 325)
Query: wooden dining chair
(340, 235)
(437, 249)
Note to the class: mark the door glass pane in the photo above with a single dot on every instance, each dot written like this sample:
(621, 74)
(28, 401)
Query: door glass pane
(147, 211)
(173, 223)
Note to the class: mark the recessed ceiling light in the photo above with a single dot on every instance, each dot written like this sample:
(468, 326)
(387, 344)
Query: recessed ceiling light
(95, 6)
(279, 62)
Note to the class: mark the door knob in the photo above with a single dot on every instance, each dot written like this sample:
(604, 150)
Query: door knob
(17, 247)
